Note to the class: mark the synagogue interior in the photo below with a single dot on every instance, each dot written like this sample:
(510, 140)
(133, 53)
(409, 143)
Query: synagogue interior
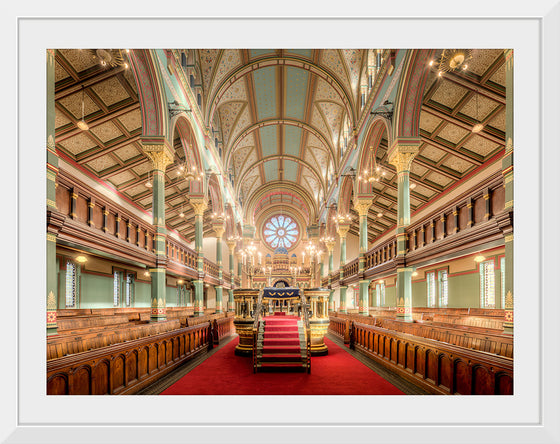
(219, 220)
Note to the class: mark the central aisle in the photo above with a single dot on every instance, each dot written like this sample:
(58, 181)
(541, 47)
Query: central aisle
(338, 373)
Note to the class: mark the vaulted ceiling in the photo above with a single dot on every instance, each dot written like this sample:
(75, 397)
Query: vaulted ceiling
(283, 113)
(283, 118)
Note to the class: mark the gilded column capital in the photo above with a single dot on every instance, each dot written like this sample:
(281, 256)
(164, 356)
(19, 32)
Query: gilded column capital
(330, 246)
(401, 156)
(160, 155)
(199, 206)
(362, 206)
(231, 245)
(218, 228)
(342, 229)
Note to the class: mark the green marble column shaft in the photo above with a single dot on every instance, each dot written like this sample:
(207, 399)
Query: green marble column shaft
(401, 157)
(52, 171)
(507, 172)
(362, 207)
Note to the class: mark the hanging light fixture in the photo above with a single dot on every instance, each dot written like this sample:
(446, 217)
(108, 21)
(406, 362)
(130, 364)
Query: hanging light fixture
(149, 182)
(109, 58)
(477, 127)
(454, 59)
(372, 176)
(82, 123)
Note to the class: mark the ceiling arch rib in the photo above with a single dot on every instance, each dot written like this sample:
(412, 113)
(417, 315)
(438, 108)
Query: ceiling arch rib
(291, 122)
(303, 163)
(288, 61)
(276, 186)
(281, 198)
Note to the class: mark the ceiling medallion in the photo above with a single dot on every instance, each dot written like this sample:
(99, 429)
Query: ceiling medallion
(109, 58)
(454, 59)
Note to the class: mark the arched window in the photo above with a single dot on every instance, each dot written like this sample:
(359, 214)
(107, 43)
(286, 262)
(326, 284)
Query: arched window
(72, 284)
(281, 231)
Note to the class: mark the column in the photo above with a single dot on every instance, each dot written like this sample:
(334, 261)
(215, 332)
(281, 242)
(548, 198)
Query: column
(342, 230)
(401, 157)
(231, 245)
(507, 172)
(240, 267)
(161, 156)
(219, 228)
(330, 248)
(52, 171)
(362, 207)
(199, 206)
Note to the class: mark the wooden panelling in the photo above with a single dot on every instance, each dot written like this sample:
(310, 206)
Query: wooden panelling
(479, 207)
(63, 200)
(81, 209)
(437, 367)
(127, 368)
(498, 198)
(98, 216)
(463, 217)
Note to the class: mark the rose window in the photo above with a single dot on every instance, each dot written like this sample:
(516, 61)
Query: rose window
(281, 231)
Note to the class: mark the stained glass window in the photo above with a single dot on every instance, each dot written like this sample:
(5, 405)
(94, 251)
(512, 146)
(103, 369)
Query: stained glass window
(71, 284)
(487, 285)
(281, 231)
(431, 281)
(443, 289)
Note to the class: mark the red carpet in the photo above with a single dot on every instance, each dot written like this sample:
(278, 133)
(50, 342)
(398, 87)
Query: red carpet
(338, 373)
(281, 348)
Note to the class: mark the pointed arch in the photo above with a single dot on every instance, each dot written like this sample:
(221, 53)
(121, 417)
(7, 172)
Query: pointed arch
(151, 94)
(345, 196)
(408, 102)
(378, 127)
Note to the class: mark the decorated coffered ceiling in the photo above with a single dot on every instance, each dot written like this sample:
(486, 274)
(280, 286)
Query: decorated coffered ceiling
(450, 151)
(282, 119)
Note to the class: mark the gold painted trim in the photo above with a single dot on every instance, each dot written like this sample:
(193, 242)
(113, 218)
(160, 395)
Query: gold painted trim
(509, 238)
(51, 237)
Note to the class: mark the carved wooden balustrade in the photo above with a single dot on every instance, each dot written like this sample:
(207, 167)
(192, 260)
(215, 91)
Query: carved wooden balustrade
(210, 269)
(350, 269)
(88, 218)
(381, 254)
(471, 219)
(181, 254)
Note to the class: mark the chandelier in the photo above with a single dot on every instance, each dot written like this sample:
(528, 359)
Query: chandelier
(189, 173)
(373, 175)
(110, 58)
(454, 59)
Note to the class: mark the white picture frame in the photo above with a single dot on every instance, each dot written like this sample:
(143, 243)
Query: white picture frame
(531, 415)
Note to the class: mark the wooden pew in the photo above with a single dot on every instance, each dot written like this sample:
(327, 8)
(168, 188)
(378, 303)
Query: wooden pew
(66, 344)
(437, 367)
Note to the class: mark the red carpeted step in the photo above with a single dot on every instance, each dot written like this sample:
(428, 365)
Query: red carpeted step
(272, 323)
(281, 341)
(280, 349)
(283, 357)
(279, 313)
(290, 328)
(280, 334)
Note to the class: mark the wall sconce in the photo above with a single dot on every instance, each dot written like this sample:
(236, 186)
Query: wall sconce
(81, 259)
